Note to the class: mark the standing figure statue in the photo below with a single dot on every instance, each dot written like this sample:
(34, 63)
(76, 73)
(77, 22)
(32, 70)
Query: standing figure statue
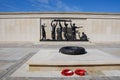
(73, 27)
(43, 32)
(53, 30)
(65, 31)
(59, 32)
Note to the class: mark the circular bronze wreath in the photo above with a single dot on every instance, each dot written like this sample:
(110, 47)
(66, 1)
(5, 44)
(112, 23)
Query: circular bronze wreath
(72, 50)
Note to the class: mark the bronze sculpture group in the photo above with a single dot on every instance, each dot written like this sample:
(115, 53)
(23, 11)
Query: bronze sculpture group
(69, 33)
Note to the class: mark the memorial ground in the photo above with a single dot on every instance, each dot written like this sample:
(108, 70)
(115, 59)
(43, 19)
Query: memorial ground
(14, 55)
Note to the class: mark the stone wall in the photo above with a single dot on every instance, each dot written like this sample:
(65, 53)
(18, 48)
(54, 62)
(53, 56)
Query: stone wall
(25, 27)
(19, 29)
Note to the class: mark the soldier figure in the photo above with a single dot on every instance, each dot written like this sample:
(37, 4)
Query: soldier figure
(73, 27)
(43, 32)
(65, 31)
(53, 30)
(59, 32)
(84, 37)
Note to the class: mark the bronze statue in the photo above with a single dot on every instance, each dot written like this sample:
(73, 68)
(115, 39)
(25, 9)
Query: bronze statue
(60, 29)
(43, 32)
(73, 27)
(65, 31)
(69, 32)
(59, 32)
(83, 37)
(53, 33)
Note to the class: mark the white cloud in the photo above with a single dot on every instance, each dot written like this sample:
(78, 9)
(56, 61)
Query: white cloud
(41, 5)
(43, 1)
(53, 5)
(10, 6)
(66, 7)
(39, 1)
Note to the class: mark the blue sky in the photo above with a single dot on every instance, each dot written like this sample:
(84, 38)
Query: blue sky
(60, 6)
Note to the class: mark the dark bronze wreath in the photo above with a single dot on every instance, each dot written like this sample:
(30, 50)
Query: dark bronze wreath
(72, 50)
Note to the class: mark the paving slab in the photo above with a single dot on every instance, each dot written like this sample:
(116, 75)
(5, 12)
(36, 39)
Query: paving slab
(23, 71)
(6, 65)
(2, 73)
(113, 51)
(111, 72)
(11, 57)
(11, 54)
(47, 78)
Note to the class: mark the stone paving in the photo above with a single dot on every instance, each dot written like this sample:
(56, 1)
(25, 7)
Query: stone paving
(14, 55)
(11, 57)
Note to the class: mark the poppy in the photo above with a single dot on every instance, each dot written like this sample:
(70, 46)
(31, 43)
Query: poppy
(80, 72)
(67, 72)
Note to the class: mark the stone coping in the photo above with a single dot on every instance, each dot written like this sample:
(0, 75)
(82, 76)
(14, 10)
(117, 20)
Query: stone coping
(87, 13)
